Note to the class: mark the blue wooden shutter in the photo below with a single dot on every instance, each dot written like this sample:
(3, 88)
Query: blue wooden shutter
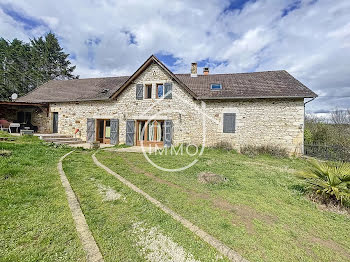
(130, 132)
(229, 124)
(90, 130)
(168, 90)
(168, 133)
(114, 139)
(139, 91)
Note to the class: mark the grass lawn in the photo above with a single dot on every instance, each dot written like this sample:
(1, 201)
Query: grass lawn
(129, 228)
(35, 221)
(261, 211)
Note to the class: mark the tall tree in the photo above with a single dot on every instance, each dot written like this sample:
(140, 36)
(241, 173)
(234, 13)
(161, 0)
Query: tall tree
(24, 66)
(50, 62)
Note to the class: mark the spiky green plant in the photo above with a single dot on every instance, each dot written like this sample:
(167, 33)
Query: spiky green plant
(330, 179)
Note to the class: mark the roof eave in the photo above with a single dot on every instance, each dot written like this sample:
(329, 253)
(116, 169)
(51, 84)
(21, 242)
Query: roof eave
(74, 101)
(15, 103)
(255, 97)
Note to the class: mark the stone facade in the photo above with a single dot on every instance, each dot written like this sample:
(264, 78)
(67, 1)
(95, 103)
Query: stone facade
(258, 122)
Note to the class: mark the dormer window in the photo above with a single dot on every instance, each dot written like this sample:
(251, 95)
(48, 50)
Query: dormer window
(215, 86)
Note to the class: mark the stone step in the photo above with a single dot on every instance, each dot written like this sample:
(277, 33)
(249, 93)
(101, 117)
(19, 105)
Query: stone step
(67, 142)
(54, 136)
(57, 139)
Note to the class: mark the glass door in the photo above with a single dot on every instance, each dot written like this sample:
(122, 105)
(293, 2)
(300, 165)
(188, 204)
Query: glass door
(150, 133)
(103, 131)
(107, 134)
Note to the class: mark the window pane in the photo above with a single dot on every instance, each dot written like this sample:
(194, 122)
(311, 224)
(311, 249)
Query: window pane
(215, 86)
(108, 129)
(151, 131)
(141, 131)
(161, 125)
(160, 90)
(149, 91)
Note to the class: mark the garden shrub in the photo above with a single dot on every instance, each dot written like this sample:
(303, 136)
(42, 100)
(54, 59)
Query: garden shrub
(330, 180)
(223, 145)
(252, 150)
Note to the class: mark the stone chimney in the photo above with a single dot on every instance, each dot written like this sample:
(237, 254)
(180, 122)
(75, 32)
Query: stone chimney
(205, 70)
(194, 70)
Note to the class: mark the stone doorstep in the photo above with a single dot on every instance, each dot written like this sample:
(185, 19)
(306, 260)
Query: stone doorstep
(61, 139)
(66, 142)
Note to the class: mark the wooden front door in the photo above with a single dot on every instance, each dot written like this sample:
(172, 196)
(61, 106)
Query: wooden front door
(150, 133)
(55, 122)
(103, 131)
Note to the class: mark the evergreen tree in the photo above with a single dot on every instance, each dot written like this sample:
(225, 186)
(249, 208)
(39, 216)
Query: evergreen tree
(24, 66)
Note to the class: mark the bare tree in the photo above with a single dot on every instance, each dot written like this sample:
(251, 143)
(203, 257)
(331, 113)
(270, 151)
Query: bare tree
(341, 117)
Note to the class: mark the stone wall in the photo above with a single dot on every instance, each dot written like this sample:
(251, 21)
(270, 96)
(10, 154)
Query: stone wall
(258, 122)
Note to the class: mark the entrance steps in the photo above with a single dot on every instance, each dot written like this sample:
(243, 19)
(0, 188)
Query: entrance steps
(59, 139)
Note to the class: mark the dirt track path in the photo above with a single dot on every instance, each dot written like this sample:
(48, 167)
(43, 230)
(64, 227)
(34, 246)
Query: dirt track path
(90, 247)
(217, 244)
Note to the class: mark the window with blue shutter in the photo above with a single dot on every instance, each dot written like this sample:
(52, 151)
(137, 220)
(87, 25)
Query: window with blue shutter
(168, 133)
(168, 91)
(114, 136)
(90, 130)
(139, 91)
(130, 132)
(229, 123)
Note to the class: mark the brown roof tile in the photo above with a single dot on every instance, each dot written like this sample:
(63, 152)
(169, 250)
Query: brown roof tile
(234, 86)
(246, 85)
(75, 90)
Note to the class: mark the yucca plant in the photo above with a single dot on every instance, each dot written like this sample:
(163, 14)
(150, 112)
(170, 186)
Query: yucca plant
(330, 179)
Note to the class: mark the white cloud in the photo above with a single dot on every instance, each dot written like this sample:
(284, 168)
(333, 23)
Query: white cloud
(312, 41)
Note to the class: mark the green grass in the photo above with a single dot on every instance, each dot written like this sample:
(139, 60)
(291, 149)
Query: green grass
(35, 221)
(111, 222)
(261, 212)
(5, 134)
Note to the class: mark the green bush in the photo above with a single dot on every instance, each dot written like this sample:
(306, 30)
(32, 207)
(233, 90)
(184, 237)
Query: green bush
(318, 131)
(251, 150)
(331, 180)
(223, 145)
(308, 136)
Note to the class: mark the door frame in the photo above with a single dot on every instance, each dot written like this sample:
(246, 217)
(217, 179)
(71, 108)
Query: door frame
(102, 140)
(146, 142)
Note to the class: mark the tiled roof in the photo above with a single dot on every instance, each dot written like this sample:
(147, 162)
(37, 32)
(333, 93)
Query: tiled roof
(75, 90)
(234, 86)
(246, 85)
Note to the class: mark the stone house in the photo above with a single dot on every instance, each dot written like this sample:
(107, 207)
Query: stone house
(157, 107)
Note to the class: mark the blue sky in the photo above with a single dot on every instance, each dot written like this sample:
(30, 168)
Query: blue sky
(308, 38)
